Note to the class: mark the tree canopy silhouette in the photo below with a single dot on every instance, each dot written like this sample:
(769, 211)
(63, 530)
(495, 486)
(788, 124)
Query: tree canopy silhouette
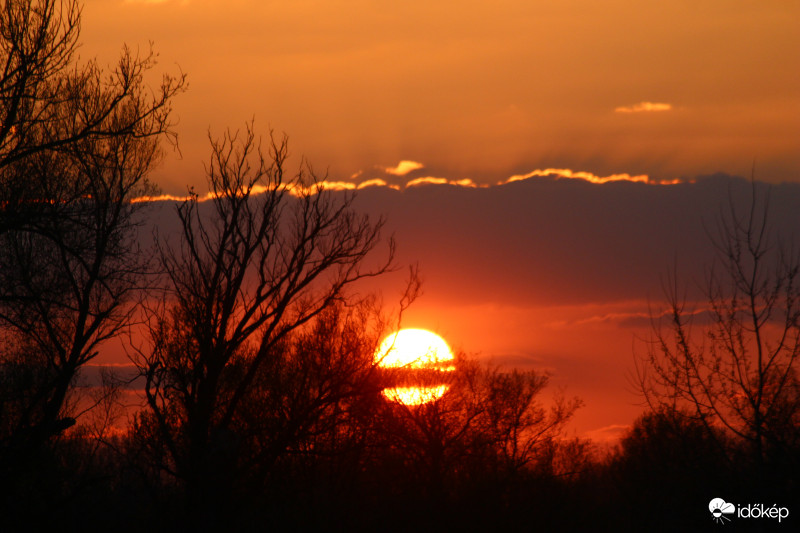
(732, 364)
(76, 146)
(264, 255)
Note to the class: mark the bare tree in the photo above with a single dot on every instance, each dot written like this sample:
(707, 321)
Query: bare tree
(732, 363)
(522, 429)
(262, 257)
(488, 421)
(76, 147)
(50, 104)
(431, 438)
(302, 422)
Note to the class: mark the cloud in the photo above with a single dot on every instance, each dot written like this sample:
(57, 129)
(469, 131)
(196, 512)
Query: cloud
(291, 188)
(160, 198)
(569, 244)
(631, 319)
(427, 180)
(377, 182)
(330, 186)
(431, 180)
(608, 434)
(466, 182)
(644, 107)
(403, 167)
(587, 176)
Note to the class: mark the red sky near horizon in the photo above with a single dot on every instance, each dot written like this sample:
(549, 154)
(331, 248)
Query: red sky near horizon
(555, 274)
(552, 274)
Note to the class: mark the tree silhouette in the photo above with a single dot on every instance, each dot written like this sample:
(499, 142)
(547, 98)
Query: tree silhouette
(490, 427)
(262, 257)
(732, 364)
(519, 425)
(667, 460)
(51, 106)
(76, 147)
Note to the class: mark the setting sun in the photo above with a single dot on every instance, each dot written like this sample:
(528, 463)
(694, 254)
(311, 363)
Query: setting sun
(415, 350)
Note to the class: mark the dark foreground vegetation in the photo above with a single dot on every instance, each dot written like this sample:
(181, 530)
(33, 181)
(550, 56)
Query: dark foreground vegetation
(252, 337)
(366, 464)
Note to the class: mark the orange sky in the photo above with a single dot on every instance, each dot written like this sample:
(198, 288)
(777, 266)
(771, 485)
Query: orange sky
(481, 90)
(491, 92)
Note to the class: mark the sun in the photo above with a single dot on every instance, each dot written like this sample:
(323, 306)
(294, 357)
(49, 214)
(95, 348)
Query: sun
(413, 348)
(422, 357)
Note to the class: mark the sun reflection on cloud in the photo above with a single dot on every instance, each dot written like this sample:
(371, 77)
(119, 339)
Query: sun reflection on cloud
(427, 180)
(291, 188)
(403, 167)
(431, 180)
(586, 176)
(376, 183)
(314, 188)
(644, 107)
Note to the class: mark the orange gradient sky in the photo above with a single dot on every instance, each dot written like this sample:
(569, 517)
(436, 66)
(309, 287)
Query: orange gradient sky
(480, 90)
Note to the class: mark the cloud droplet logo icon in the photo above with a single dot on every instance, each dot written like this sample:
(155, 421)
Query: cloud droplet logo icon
(719, 508)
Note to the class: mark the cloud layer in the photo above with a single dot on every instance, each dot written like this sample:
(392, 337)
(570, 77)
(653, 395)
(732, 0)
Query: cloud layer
(556, 236)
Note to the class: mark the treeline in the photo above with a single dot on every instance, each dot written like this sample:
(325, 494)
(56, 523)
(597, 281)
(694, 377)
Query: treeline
(299, 459)
(489, 455)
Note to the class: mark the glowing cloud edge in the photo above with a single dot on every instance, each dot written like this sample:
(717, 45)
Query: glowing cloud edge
(550, 173)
